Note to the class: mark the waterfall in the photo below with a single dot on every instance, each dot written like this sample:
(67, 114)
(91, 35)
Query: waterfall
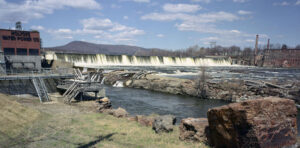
(94, 60)
(119, 84)
(102, 81)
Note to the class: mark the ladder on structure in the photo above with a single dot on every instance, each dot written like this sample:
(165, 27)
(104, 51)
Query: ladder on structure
(71, 92)
(41, 89)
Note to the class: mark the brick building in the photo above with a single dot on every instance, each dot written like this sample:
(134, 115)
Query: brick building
(21, 49)
(282, 58)
(15, 42)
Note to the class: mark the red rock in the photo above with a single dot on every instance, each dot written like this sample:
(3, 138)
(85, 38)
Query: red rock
(144, 120)
(193, 129)
(268, 122)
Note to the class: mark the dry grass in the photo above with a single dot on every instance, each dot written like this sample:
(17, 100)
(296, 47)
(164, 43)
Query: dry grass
(14, 119)
(61, 125)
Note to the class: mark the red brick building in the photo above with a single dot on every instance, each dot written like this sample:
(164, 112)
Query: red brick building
(19, 51)
(16, 42)
(282, 58)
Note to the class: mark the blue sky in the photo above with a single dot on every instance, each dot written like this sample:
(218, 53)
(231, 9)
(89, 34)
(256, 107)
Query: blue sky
(168, 24)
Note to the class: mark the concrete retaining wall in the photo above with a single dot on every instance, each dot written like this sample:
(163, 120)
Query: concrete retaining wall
(16, 87)
(25, 62)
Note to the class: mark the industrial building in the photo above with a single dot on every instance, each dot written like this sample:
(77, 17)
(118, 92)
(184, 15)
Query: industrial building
(20, 51)
(282, 58)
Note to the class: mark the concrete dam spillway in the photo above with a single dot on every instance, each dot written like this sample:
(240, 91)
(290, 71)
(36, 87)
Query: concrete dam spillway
(94, 60)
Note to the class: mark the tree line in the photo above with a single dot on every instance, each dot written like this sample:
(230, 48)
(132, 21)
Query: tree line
(196, 51)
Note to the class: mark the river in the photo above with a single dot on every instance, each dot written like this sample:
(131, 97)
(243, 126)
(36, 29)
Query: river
(145, 102)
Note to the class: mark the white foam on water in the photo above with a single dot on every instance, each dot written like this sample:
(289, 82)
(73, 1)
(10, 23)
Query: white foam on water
(179, 74)
(119, 84)
(85, 60)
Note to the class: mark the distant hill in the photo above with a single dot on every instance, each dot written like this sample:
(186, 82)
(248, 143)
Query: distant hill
(91, 48)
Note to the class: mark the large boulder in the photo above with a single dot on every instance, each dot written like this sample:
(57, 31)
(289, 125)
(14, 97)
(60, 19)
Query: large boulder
(164, 123)
(194, 129)
(120, 113)
(103, 104)
(268, 122)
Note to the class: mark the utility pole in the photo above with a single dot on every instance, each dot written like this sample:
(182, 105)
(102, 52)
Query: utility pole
(256, 50)
(268, 45)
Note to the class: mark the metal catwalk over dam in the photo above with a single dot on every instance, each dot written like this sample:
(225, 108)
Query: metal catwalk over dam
(43, 74)
(32, 76)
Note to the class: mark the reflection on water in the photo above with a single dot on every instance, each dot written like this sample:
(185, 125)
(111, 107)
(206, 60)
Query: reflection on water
(145, 102)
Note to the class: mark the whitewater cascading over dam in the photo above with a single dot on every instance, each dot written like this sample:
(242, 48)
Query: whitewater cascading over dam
(94, 60)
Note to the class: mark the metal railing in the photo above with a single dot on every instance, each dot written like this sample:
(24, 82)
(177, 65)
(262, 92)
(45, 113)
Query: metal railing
(43, 71)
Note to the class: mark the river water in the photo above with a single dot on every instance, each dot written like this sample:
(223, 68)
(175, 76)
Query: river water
(145, 102)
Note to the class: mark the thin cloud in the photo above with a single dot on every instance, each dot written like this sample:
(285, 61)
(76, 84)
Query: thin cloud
(202, 1)
(34, 9)
(243, 12)
(160, 35)
(142, 1)
(115, 6)
(200, 18)
(240, 1)
(39, 28)
(125, 17)
(103, 29)
(181, 8)
(284, 3)
(206, 23)
(298, 2)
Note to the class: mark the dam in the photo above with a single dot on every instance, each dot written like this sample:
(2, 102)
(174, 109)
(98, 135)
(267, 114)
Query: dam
(94, 60)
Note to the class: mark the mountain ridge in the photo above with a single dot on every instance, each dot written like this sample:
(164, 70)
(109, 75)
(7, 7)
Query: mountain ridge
(82, 47)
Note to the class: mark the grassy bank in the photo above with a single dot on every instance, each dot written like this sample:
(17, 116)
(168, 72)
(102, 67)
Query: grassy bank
(60, 125)
(14, 120)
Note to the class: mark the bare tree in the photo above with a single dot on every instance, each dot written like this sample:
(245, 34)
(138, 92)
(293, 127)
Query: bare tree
(247, 52)
(201, 83)
(275, 46)
(284, 46)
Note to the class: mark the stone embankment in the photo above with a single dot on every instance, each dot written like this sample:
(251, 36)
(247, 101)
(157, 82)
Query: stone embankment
(234, 91)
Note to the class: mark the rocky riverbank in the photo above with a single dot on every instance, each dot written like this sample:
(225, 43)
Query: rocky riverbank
(263, 122)
(234, 90)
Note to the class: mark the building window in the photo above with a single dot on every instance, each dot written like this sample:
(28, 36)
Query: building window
(21, 51)
(36, 39)
(33, 52)
(9, 51)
